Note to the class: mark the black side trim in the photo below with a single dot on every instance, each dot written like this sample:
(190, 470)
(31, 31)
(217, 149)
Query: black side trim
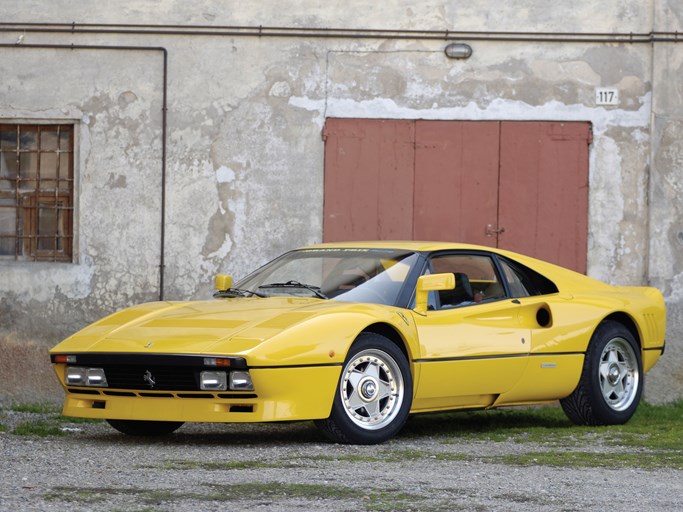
(108, 358)
(497, 356)
(294, 366)
(661, 348)
(468, 358)
(547, 354)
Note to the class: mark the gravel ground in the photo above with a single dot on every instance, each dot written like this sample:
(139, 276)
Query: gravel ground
(285, 467)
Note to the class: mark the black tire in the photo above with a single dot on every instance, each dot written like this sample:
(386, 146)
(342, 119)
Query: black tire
(145, 428)
(611, 382)
(374, 395)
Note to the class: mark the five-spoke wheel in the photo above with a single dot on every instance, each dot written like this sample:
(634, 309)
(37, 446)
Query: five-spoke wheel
(374, 394)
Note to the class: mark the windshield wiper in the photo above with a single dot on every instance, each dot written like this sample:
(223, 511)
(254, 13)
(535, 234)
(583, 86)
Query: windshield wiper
(237, 292)
(297, 284)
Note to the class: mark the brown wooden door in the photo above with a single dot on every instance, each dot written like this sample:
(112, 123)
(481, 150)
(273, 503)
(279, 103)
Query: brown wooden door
(543, 206)
(456, 180)
(369, 172)
(522, 186)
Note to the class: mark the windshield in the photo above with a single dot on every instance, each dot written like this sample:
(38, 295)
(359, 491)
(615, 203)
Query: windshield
(354, 275)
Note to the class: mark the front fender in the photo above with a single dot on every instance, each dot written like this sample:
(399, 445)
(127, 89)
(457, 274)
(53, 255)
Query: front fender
(324, 338)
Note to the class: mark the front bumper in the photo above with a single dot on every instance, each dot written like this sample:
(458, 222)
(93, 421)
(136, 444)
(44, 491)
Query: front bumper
(281, 394)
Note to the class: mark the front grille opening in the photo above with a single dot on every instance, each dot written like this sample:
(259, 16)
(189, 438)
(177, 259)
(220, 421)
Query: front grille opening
(157, 395)
(241, 408)
(83, 391)
(119, 393)
(152, 377)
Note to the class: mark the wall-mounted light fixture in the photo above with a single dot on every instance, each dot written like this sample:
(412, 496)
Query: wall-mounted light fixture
(458, 51)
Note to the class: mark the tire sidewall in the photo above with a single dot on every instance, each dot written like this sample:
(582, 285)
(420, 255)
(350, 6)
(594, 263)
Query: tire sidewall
(354, 433)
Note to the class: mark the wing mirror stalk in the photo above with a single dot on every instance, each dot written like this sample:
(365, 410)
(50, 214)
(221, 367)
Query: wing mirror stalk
(431, 283)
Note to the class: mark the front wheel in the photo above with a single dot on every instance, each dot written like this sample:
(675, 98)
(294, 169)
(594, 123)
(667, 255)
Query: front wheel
(611, 381)
(145, 428)
(374, 394)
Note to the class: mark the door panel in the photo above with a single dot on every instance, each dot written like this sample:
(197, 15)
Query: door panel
(456, 180)
(476, 351)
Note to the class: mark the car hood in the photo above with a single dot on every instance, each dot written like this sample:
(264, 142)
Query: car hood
(223, 325)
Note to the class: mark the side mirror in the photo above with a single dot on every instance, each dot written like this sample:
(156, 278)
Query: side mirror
(223, 282)
(431, 283)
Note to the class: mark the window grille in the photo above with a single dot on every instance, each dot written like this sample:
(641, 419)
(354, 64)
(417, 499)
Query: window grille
(36, 192)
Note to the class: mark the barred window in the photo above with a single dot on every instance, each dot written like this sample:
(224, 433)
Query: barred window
(36, 192)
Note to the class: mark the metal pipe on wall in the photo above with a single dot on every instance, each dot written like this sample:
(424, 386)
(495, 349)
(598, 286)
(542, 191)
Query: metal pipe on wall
(341, 33)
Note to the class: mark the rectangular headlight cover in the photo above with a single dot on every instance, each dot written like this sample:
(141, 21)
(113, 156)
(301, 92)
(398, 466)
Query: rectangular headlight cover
(241, 381)
(213, 381)
(79, 376)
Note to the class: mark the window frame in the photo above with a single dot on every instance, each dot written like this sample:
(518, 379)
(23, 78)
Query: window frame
(30, 199)
(435, 297)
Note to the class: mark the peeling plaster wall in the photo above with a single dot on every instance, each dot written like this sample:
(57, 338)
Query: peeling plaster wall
(666, 193)
(245, 154)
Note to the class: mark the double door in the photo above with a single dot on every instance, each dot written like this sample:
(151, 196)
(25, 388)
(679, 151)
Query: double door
(521, 186)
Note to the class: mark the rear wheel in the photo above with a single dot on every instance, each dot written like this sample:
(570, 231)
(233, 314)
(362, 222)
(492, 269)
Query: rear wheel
(145, 428)
(611, 381)
(374, 394)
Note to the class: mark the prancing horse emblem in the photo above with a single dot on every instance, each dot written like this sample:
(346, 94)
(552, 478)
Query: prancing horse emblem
(149, 378)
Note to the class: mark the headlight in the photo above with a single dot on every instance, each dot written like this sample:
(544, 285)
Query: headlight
(79, 376)
(213, 381)
(241, 381)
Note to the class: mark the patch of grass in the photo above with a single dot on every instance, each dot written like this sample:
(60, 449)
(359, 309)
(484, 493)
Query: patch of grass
(574, 459)
(176, 464)
(100, 494)
(37, 408)
(394, 499)
(38, 429)
(3, 428)
(78, 494)
(274, 490)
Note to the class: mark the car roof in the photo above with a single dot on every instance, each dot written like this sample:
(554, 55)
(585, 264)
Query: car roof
(400, 245)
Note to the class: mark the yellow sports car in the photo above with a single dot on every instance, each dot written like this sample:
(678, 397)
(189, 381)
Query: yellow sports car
(357, 336)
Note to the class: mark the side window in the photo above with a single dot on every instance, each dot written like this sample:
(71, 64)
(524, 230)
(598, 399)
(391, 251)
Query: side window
(476, 280)
(514, 279)
(524, 282)
(36, 192)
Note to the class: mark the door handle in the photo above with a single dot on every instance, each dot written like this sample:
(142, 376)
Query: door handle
(490, 230)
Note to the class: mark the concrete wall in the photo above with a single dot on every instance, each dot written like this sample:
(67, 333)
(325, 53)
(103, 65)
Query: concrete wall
(245, 155)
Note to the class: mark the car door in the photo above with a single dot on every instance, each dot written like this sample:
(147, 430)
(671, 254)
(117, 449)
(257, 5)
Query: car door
(472, 344)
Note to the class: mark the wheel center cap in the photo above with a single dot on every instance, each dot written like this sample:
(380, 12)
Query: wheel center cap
(368, 389)
(613, 375)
